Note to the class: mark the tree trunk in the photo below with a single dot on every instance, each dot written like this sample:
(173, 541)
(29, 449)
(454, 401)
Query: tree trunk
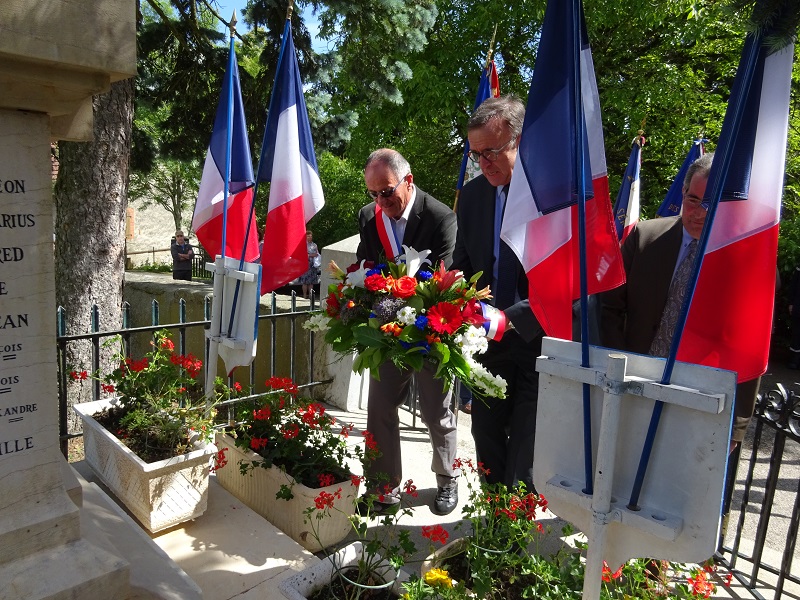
(91, 195)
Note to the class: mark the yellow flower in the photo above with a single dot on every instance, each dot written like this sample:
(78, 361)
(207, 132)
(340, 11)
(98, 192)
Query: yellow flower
(436, 577)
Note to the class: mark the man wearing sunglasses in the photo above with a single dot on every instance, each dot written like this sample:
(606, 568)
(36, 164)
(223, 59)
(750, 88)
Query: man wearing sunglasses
(402, 214)
(503, 429)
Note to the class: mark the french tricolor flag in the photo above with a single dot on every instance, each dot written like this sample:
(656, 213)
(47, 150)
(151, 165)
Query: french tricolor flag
(289, 164)
(730, 318)
(626, 208)
(209, 211)
(541, 217)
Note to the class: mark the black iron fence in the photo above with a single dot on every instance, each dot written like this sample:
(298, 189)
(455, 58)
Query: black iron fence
(282, 354)
(762, 501)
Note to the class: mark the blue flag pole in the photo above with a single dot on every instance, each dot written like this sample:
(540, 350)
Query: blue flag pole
(228, 143)
(723, 158)
(287, 31)
(580, 167)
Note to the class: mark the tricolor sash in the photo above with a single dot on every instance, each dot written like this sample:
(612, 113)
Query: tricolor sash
(496, 321)
(391, 246)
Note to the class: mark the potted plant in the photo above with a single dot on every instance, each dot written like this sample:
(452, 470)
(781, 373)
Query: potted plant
(370, 567)
(149, 439)
(289, 450)
(500, 558)
(399, 311)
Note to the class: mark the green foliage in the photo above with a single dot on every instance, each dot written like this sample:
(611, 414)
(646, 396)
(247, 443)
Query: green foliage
(295, 435)
(170, 184)
(343, 185)
(160, 408)
(159, 267)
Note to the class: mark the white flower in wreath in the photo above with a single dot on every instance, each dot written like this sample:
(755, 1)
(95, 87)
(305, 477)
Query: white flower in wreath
(407, 315)
(415, 260)
(356, 278)
(317, 322)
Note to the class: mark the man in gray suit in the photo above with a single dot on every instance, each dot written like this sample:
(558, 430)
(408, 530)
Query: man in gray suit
(413, 218)
(652, 253)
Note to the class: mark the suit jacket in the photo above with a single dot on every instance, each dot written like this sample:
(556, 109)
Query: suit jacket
(431, 226)
(474, 251)
(632, 312)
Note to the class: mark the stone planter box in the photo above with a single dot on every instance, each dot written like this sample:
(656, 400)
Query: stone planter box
(257, 490)
(159, 494)
(302, 585)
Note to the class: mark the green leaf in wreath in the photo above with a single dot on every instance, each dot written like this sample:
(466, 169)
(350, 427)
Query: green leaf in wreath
(367, 336)
(411, 333)
(416, 302)
(415, 359)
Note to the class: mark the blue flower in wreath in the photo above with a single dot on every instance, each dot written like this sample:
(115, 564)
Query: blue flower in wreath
(424, 275)
(421, 322)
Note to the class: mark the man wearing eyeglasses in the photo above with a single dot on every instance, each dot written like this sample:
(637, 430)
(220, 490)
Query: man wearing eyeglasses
(402, 214)
(640, 316)
(503, 429)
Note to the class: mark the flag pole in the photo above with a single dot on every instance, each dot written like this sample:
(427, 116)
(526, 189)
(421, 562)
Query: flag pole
(249, 217)
(270, 108)
(725, 157)
(219, 287)
(462, 172)
(581, 184)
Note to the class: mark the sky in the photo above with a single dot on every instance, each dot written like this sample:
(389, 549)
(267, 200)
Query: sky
(226, 7)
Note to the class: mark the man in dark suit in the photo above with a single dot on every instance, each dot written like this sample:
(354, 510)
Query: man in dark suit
(410, 217)
(503, 429)
(632, 314)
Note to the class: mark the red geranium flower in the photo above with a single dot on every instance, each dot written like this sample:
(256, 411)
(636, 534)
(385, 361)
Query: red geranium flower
(608, 575)
(325, 479)
(435, 533)
(376, 282)
(444, 318)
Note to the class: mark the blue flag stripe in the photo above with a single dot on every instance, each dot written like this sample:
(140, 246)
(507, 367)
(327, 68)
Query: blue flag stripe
(241, 165)
(550, 167)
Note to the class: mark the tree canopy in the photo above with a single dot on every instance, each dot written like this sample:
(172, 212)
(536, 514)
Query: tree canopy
(404, 74)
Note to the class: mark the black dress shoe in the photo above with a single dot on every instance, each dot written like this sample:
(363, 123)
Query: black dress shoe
(446, 500)
(376, 509)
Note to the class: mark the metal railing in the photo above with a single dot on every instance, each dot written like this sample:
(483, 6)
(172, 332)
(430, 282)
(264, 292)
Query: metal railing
(762, 500)
(304, 377)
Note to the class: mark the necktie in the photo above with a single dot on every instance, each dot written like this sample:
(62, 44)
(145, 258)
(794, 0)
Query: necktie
(505, 295)
(677, 292)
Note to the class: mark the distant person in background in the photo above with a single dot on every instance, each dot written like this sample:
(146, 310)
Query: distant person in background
(182, 255)
(311, 277)
(794, 316)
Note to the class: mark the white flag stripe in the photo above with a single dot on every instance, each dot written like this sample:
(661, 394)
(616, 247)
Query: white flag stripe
(736, 220)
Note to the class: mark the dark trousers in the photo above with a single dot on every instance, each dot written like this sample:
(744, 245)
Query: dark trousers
(385, 397)
(504, 429)
(182, 275)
